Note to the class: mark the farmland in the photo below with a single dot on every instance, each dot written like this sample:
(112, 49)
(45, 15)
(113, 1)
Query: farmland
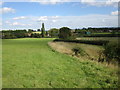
(31, 63)
(100, 38)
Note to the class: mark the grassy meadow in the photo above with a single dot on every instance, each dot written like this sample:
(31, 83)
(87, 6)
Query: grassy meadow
(100, 38)
(31, 63)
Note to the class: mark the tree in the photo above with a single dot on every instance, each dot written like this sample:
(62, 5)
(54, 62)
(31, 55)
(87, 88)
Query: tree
(54, 32)
(35, 35)
(9, 34)
(112, 51)
(30, 30)
(43, 30)
(38, 29)
(65, 33)
(46, 33)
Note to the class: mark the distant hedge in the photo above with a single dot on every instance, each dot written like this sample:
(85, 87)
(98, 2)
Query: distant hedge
(103, 35)
(93, 42)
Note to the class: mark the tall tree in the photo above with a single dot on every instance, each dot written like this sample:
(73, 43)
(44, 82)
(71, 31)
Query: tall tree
(43, 30)
(54, 32)
(65, 33)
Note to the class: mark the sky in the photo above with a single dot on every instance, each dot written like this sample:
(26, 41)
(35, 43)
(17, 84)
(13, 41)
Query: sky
(65, 13)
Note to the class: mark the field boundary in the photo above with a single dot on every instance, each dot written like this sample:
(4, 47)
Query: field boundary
(92, 42)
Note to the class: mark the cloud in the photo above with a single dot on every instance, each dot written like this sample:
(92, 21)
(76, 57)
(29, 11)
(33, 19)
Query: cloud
(43, 18)
(19, 18)
(7, 10)
(17, 24)
(115, 13)
(0, 24)
(93, 20)
(87, 21)
(55, 17)
(46, 1)
(101, 2)
(1, 2)
(88, 2)
(54, 20)
(50, 1)
(7, 22)
(47, 18)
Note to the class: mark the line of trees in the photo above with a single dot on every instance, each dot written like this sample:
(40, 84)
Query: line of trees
(62, 32)
(11, 34)
(98, 30)
(14, 34)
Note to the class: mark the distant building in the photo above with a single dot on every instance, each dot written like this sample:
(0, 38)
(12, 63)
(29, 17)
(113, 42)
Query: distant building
(88, 33)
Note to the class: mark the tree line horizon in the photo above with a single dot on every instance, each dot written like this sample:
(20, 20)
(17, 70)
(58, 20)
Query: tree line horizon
(63, 31)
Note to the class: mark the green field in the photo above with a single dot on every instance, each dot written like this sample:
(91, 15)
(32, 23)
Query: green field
(31, 63)
(100, 38)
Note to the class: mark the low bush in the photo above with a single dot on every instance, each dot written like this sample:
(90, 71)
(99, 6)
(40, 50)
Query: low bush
(112, 52)
(35, 35)
(78, 50)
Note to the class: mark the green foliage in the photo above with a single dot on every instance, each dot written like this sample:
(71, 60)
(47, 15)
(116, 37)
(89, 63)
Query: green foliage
(98, 32)
(104, 35)
(93, 42)
(46, 34)
(78, 50)
(14, 34)
(35, 35)
(8, 35)
(30, 30)
(54, 32)
(112, 51)
(38, 29)
(11, 34)
(80, 32)
(65, 33)
(43, 30)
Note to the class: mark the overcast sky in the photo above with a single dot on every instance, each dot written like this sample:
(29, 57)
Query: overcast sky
(83, 13)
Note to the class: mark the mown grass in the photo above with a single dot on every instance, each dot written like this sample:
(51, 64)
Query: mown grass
(31, 63)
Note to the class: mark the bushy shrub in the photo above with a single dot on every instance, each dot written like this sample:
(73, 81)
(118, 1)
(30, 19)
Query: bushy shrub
(54, 32)
(112, 51)
(65, 33)
(77, 51)
(35, 35)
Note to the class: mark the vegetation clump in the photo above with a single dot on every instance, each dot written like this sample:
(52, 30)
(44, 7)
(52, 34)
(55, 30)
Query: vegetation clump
(78, 51)
(43, 30)
(65, 33)
(54, 32)
(112, 52)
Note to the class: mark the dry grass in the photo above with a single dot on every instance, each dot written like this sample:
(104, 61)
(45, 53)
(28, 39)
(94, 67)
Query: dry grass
(92, 51)
(61, 47)
(99, 38)
(65, 47)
